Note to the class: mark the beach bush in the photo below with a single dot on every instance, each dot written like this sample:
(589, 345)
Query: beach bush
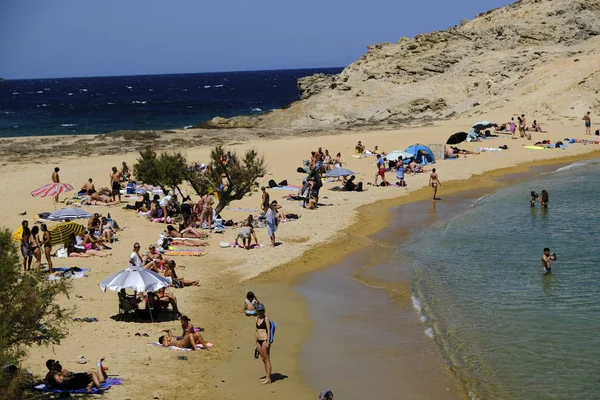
(167, 170)
(29, 315)
(241, 175)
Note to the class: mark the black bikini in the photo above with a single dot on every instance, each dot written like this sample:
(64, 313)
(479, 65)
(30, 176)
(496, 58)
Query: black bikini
(262, 325)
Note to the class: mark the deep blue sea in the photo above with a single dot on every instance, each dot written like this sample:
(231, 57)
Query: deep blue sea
(70, 106)
(508, 331)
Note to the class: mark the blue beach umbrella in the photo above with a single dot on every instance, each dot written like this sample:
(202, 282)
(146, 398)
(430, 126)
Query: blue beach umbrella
(68, 213)
(337, 172)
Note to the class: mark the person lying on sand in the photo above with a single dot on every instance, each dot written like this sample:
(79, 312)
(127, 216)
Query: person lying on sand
(97, 199)
(187, 342)
(415, 168)
(60, 378)
(185, 233)
(178, 282)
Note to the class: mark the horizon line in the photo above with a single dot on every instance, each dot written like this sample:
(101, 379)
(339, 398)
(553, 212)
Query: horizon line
(172, 73)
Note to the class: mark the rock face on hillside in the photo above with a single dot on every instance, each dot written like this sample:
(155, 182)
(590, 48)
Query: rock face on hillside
(535, 54)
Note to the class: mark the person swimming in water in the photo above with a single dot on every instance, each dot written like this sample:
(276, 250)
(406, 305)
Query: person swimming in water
(547, 257)
(533, 199)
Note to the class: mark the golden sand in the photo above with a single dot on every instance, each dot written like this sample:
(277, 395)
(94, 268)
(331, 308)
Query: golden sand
(321, 237)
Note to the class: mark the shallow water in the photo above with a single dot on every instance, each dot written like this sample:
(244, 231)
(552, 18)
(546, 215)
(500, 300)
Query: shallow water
(508, 331)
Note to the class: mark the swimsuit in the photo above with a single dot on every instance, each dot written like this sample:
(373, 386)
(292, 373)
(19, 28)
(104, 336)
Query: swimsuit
(245, 232)
(262, 325)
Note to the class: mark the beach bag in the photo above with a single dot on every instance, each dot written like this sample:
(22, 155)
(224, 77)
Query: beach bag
(283, 183)
(62, 253)
(597, 132)
(272, 183)
(303, 171)
(273, 326)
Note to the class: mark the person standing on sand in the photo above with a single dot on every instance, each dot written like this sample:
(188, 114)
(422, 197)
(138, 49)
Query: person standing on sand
(56, 179)
(26, 246)
(115, 183)
(380, 170)
(523, 127)
(434, 182)
(512, 127)
(588, 123)
(265, 200)
(272, 221)
(47, 246)
(263, 341)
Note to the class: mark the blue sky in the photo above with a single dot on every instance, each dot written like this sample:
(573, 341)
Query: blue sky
(68, 38)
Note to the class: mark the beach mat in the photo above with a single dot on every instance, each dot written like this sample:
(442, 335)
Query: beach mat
(196, 253)
(291, 188)
(67, 273)
(198, 346)
(106, 385)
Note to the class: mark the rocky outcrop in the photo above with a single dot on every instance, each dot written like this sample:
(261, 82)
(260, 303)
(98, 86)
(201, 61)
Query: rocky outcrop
(314, 84)
(535, 54)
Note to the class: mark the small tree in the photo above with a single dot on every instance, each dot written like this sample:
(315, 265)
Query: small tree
(167, 170)
(241, 175)
(29, 315)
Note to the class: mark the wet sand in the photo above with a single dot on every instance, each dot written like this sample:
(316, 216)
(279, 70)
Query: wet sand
(369, 338)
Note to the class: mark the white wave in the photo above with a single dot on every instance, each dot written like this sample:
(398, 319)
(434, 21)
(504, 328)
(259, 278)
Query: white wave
(69, 94)
(15, 126)
(151, 90)
(16, 93)
(188, 127)
(416, 303)
(110, 103)
(576, 164)
(83, 90)
(68, 124)
(429, 332)
(40, 91)
(218, 86)
(139, 102)
(206, 86)
(44, 105)
(47, 89)
(129, 87)
(257, 109)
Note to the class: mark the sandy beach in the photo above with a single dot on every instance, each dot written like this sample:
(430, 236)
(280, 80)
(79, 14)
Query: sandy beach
(320, 238)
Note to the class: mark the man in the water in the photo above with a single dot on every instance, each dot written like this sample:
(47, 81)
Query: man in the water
(547, 257)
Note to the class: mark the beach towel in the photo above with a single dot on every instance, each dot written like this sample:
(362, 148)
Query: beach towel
(534, 147)
(198, 346)
(67, 273)
(106, 385)
(251, 210)
(291, 188)
(184, 253)
(183, 248)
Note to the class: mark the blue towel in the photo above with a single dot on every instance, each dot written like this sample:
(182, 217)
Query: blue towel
(109, 382)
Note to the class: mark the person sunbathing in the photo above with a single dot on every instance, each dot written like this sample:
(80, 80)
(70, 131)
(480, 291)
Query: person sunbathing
(536, 127)
(178, 282)
(108, 230)
(92, 242)
(360, 148)
(62, 379)
(88, 187)
(190, 233)
(186, 327)
(168, 298)
(97, 199)
(186, 342)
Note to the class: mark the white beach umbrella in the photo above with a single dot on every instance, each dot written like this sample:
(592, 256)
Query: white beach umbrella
(398, 153)
(68, 213)
(135, 278)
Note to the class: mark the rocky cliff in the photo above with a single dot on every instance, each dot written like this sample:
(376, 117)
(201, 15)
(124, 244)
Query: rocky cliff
(534, 55)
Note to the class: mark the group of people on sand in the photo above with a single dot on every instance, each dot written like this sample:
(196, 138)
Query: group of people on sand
(33, 247)
(190, 338)
(105, 196)
(323, 162)
(60, 378)
(263, 334)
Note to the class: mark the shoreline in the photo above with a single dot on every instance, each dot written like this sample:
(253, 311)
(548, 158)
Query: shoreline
(313, 242)
(371, 219)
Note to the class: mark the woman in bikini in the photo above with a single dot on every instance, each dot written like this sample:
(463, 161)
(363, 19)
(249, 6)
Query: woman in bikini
(189, 233)
(187, 342)
(263, 341)
(247, 233)
(434, 182)
(47, 246)
(178, 282)
(36, 247)
(186, 327)
(207, 211)
(107, 230)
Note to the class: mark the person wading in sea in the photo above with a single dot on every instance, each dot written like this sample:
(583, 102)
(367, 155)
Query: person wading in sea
(547, 257)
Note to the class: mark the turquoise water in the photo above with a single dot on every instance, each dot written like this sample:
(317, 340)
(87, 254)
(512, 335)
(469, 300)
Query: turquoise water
(508, 331)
